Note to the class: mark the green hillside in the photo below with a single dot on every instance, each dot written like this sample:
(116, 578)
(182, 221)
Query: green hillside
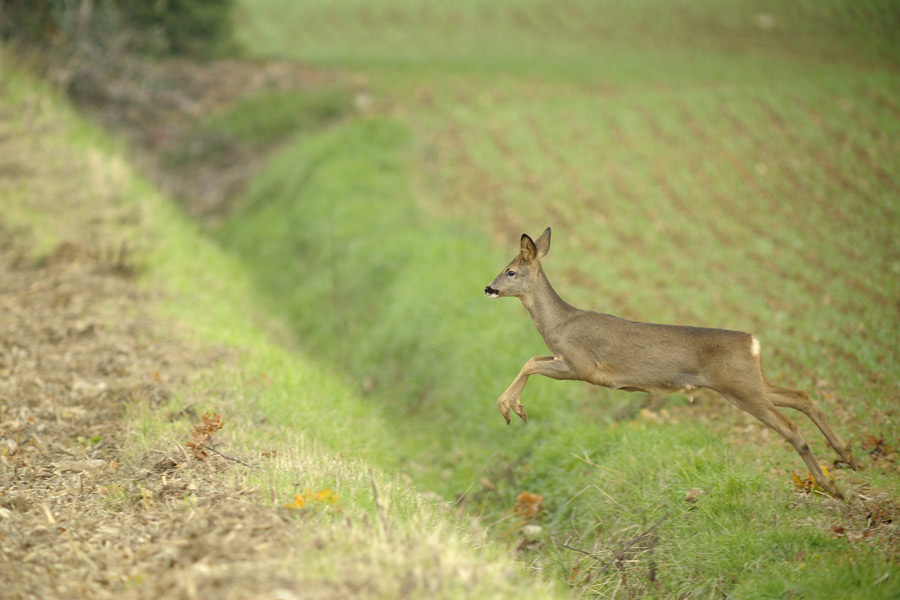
(722, 164)
(729, 164)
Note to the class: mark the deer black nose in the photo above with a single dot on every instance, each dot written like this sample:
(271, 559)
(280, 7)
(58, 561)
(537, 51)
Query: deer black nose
(491, 291)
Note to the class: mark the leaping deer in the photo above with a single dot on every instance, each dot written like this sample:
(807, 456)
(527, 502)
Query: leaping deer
(644, 357)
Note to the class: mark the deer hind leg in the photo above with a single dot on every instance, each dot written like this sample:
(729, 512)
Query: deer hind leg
(760, 407)
(799, 400)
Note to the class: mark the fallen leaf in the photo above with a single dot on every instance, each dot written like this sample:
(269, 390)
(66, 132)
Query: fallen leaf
(876, 446)
(648, 415)
(326, 496)
(202, 432)
(528, 505)
(808, 484)
(803, 484)
(298, 503)
(693, 495)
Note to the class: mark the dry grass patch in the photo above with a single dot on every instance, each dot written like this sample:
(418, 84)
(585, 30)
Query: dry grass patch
(100, 494)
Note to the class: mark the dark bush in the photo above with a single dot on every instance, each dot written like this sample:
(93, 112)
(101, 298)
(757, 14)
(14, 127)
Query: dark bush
(156, 26)
(31, 21)
(179, 26)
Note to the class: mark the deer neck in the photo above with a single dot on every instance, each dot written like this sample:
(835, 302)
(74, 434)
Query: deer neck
(546, 308)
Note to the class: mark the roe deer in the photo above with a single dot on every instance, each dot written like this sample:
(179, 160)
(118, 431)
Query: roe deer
(646, 357)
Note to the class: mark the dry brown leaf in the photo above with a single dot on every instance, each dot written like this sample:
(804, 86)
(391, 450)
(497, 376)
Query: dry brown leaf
(876, 446)
(202, 433)
(528, 506)
(693, 495)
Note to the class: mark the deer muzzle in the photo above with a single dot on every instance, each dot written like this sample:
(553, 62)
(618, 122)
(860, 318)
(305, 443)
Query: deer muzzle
(491, 292)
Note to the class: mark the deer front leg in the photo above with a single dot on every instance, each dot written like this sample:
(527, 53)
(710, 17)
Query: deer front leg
(548, 366)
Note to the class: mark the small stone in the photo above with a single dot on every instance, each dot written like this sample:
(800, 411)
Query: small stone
(532, 531)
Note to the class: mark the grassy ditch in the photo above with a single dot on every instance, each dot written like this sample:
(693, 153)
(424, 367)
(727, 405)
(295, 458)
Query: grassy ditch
(315, 454)
(727, 166)
(734, 170)
(393, 301)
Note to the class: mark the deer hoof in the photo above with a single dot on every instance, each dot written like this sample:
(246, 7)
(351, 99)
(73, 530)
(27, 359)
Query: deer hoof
(504, 409)
(505, 405)
(520, 410)
(832, 489)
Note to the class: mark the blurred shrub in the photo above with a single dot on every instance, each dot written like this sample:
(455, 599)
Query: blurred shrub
(30, 20)
(179, 26)
(158, 27)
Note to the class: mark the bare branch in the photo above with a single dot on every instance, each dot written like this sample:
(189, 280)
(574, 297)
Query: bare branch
(634, 541)
(567, 547)
(231, 458)
(618, 555)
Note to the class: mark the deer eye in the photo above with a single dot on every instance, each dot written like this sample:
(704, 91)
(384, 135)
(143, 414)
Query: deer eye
(510, 273)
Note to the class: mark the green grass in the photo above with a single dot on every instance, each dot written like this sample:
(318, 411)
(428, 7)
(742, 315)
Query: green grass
(267, 117)
(394, 300)
(572, 37)
(722, 164)
(727, 164)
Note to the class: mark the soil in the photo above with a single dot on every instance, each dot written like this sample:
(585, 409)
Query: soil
(157, 105)
(79, 516)
(84, 511)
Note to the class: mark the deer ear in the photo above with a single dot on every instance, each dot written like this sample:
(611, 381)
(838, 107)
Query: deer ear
(543, 244)
(529, 250)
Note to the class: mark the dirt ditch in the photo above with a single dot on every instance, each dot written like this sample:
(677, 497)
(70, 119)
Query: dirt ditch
(78, 517)
(84, 511)
(158, 104)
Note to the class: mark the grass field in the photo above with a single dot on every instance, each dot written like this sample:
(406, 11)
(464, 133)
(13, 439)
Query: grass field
(728, 164)
(723, 164)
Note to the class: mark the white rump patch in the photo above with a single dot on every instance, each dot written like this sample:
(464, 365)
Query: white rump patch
(754, 346)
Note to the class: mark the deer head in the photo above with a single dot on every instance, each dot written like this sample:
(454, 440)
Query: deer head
(520, 275)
